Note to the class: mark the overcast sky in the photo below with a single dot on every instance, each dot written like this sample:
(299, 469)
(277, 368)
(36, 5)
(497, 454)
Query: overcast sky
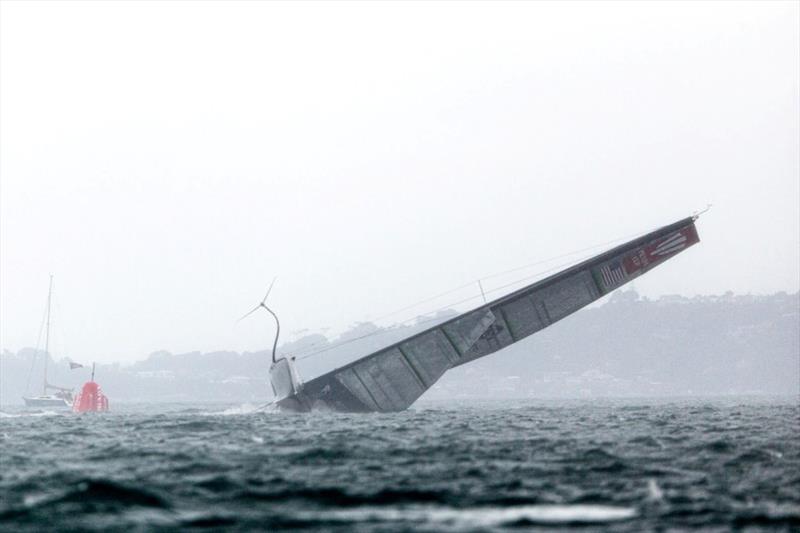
(164, 161)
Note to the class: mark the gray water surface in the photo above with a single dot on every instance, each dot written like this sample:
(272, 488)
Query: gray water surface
(625, 465)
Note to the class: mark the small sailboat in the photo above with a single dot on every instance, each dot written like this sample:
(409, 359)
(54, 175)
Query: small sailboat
(61, 398)
(91, 398)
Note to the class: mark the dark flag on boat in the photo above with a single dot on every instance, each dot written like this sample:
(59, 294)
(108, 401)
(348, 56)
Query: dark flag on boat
(73, 366)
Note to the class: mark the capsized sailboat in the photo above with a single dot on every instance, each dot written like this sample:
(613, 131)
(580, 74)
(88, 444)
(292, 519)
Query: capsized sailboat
(62, 397)
(394, 377)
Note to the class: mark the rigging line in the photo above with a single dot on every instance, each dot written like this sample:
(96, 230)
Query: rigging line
(36, 352)
(423, 301)
(60, 329)
(628, 237)
(302, 354)
(532, 276)
(450, 305)
(515, 282)
(374, 333)
(509, 271)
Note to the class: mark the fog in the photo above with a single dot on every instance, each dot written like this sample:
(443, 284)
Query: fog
(164, 161)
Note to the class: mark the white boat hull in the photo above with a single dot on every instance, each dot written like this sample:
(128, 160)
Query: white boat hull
(46, 401)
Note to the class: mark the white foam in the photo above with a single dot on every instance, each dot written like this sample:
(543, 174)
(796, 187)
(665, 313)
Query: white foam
(489, 516)
(654, 492)
(36, 413)
(31, 500)
(244, 409)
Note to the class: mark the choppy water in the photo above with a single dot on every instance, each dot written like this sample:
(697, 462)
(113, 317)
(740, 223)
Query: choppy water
(627, 465)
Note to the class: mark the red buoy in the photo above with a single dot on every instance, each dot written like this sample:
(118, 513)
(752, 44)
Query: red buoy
(91, 399)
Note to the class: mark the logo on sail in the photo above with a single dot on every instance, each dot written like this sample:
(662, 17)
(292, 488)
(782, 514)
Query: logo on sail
(639, 260)
(613, 273)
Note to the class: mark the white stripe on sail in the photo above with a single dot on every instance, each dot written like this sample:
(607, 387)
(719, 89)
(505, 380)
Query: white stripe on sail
(671, 241)
(669, 250)
(673, 236)
(669, 244)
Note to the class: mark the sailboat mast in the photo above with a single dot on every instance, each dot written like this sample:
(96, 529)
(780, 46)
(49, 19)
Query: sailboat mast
(47, 336)
(277, 333)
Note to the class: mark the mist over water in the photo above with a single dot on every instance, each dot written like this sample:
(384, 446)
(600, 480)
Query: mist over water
(394, 164)
(627, 465)
(371, 156)
(627, 346)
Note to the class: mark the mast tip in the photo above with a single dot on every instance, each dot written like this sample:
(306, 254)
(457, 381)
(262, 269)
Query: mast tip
(697, 214)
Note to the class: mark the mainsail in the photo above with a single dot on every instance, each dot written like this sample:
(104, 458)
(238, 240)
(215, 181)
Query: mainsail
(392, 378)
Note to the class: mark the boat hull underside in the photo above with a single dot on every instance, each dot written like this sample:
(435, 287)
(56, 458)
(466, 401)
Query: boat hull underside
(393, 378)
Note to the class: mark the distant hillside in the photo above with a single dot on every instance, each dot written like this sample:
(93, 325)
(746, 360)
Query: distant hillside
(628, 346)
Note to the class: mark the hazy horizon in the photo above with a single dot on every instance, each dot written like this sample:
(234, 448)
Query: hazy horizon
(730, 344)
(165, 161)
(335, 337)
